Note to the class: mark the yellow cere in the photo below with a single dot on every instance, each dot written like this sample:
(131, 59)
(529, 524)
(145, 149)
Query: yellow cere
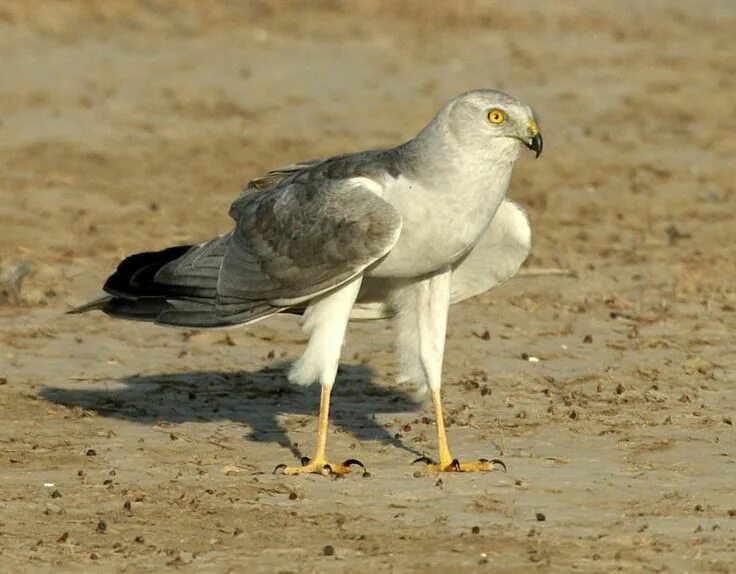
(533, 127)
(496, 116)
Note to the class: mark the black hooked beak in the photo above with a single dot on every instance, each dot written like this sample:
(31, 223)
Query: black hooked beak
(535, 144)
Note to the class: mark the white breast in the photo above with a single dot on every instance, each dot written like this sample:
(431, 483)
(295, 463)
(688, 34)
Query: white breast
(441, 224)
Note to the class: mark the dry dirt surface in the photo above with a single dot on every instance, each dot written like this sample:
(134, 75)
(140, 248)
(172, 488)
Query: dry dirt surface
(125, 447)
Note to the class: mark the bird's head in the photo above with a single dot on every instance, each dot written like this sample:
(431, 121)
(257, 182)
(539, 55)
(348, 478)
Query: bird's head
(481, 117)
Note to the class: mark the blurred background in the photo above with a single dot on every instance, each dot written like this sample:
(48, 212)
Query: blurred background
(131, 125)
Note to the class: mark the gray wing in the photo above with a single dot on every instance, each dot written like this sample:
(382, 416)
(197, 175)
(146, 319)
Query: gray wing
(304, 237)
(496, 257)
(300, 231)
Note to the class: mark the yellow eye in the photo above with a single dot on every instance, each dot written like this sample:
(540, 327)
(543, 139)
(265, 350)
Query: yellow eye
(496, 116)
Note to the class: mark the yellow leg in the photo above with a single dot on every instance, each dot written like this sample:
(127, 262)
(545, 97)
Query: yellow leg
(444, 449)
(324, 421)
(318, 464)
(447, 463)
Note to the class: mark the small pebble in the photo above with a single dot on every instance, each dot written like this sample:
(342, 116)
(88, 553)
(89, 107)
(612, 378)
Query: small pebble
(588, 339)
(541, 517)
(476, 530)
(101, 527)
(91, 452)
(328, 550)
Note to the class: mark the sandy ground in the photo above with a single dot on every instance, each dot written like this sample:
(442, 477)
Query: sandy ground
(127, 447)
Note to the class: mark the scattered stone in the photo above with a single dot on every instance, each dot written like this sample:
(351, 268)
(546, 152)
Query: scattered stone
(328, 550)
(101, 527)
(674, 234)
(476, 530)
(56, 494)
(541, 517)
(588, 339)
(11, 281)
(91, 452)
(63, 538)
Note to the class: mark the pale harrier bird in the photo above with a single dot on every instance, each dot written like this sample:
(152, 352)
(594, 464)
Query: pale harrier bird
(402, 232)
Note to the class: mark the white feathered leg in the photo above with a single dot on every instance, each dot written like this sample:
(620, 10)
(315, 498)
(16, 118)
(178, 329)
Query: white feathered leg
(422, 324)
(423, 309)
(325, 320)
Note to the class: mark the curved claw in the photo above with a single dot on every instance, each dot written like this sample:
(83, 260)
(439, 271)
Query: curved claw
(424, 459)
(353, 461)
(494, 461)
(305, 460)
(279, 467)
(455, 465)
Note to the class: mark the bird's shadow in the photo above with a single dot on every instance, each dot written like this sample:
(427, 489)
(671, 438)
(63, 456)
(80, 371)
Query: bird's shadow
(255, 399)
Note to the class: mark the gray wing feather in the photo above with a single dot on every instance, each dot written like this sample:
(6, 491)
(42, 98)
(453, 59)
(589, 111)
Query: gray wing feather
(496, 257)
(303, 237)
(299, 232)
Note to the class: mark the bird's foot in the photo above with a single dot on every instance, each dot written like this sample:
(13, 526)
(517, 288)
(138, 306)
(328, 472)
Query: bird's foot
(481, 465)
(321, 466)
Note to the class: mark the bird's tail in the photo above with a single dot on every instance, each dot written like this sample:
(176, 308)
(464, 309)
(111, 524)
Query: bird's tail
(176, 287)
(98, 304)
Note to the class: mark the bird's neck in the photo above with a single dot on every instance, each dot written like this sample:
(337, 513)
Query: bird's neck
(440, 161)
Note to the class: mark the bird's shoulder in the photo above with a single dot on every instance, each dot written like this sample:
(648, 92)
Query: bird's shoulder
(372, 164)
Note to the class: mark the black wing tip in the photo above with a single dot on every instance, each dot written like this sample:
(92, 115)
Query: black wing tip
(130, 278)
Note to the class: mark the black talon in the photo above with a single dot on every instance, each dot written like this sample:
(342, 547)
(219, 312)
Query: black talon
(305, 460)
(455, 465)
(499, 462)
(424, 459)
(351, 461)
(279, 467)
(328, 468)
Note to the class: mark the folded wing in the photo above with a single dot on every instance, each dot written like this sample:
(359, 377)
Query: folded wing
(299, 235)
